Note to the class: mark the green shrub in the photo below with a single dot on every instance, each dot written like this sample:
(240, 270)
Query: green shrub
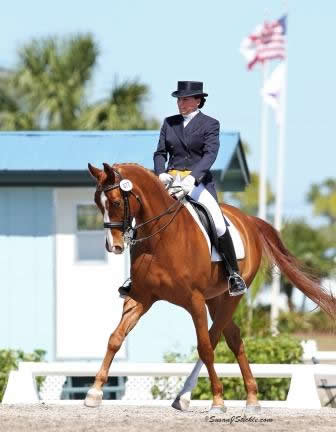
(305, 322)
(252, 321)
(256, 321)
(168, 387)
(9, 360)
(277, 349)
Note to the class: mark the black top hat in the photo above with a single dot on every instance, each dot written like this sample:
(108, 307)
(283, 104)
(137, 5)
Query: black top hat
(189, 88)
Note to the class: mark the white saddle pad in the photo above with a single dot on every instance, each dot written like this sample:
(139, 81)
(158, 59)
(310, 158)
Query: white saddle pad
(237, 241)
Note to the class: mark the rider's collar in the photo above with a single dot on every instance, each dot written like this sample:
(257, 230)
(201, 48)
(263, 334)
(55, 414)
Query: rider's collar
(191, 115)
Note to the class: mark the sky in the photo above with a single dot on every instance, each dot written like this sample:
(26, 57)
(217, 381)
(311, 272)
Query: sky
(161, 42)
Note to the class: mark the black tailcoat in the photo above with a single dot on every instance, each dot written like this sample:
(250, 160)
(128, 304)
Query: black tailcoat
(193, 147)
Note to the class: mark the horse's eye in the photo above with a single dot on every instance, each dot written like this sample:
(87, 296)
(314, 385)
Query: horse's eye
(116, 203)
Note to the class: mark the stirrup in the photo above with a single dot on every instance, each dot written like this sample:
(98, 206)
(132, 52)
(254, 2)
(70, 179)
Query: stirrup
(125, 288)
(237, 285)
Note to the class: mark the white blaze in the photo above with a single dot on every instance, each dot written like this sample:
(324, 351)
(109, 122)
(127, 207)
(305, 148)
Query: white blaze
(108, 233)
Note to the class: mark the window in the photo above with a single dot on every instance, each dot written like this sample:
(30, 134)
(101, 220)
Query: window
(77, 387)
(90, 233)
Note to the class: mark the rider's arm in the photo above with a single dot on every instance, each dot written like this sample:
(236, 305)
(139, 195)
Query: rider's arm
(160, 155)
(210, 151)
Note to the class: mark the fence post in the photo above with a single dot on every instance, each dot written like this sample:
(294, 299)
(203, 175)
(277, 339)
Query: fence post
(302, 390)
(21, 388)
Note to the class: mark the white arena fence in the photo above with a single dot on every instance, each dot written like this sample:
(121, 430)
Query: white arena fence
(310, 350)
(21, 387)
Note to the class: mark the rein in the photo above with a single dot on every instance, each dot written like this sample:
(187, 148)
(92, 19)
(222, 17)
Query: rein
(126, 224)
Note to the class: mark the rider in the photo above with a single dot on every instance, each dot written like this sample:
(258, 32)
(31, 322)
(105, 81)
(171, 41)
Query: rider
(191, 140)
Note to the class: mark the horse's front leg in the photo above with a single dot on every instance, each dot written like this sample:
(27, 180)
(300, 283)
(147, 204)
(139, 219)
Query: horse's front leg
(132, 311)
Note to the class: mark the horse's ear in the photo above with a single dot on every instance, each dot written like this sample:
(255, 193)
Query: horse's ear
(95, 172)
(109, 172)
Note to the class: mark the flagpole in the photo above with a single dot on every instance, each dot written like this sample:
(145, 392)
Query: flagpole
(263, 151)
(276, 282)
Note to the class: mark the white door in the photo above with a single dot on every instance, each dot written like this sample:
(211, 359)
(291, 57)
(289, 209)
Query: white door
(88, 306)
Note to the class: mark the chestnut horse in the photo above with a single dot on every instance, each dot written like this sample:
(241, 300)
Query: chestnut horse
(170, 261)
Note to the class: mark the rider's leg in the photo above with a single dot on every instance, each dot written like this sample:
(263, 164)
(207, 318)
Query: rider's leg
(226, 248)
(125, 288)
(225, 245)
(202, 195)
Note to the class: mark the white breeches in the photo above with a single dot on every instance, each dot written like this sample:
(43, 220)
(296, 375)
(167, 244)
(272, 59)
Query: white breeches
(203, 196)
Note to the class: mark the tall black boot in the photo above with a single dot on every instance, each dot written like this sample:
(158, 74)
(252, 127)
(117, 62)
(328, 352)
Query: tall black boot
(237, 285)
(125, 288)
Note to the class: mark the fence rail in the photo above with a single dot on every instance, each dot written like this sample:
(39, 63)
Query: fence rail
(21, 387)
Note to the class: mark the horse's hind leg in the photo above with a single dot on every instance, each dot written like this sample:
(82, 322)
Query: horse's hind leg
(224, 307)
(132, 311)
(221, 311)
(205, 349)
(235, 343)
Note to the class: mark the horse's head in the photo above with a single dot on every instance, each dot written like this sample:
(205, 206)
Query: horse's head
(112, 197)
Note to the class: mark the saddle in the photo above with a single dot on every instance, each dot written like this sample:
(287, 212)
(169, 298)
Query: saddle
(206, 220)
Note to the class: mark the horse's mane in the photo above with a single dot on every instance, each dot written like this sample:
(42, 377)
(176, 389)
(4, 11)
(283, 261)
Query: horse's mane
(150, 173)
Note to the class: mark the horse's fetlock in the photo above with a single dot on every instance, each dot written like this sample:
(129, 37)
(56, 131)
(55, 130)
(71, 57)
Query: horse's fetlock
(101, 378)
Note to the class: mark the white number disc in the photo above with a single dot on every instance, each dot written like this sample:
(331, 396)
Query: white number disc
(126, 185)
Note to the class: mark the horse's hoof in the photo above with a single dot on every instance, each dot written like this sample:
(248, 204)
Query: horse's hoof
(181, 404)
(252, 409)
(93, 398)
(217, 410)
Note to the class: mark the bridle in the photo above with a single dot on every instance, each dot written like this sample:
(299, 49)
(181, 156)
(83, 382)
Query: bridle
(126, 223)
(125, 226)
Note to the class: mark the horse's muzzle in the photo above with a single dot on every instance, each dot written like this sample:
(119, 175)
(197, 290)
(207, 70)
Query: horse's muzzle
(118, 250)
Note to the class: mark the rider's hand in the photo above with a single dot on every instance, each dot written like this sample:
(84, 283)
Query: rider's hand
(187, 185)
(166, 178)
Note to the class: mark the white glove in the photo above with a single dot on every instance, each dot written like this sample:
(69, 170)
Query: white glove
(187, 185)
(166, 178)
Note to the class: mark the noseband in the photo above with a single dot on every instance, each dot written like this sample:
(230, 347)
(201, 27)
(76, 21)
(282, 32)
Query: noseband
(125, 226)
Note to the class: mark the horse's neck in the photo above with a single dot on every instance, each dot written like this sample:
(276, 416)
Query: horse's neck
(154, 199)
(154, 202)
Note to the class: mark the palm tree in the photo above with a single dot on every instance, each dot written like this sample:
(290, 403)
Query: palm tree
(122, 110)
(312, 247)
(47, 90)
(52, 75)
(14, 114)
(323, 198)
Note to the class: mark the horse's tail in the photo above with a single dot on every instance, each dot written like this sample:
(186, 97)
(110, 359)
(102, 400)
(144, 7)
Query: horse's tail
(309, 284)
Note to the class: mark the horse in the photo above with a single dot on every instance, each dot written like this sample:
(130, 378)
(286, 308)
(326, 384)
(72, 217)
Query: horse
(170, 261)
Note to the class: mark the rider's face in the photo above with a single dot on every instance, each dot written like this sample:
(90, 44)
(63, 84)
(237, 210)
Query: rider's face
(187, 105)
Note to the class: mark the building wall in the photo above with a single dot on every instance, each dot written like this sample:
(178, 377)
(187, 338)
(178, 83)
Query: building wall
(87, 302)
(164, 328)
(28, 287)
(26, 269)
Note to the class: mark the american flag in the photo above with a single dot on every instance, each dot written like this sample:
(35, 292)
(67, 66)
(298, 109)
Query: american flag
(267, 42)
